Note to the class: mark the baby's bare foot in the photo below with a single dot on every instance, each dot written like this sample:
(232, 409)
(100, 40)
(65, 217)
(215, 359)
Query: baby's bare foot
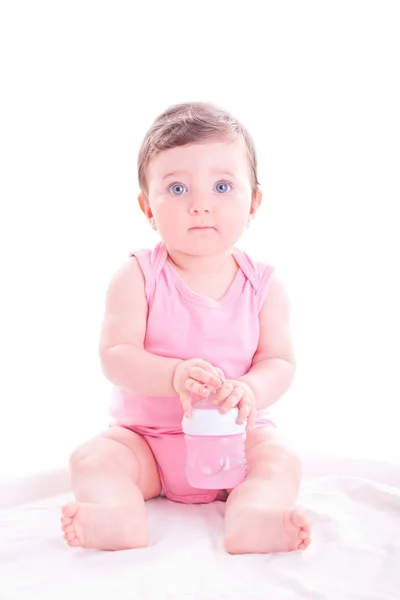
(103, 527)
(268, 530)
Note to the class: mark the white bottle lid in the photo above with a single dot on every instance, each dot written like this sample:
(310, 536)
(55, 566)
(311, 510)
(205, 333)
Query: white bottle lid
(210, 421)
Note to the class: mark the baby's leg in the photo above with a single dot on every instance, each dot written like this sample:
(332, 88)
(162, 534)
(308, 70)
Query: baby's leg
(260, 513)
(111, 476)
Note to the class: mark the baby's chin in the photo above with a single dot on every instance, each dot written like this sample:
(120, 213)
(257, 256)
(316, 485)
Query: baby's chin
(205, 250)
(202, 242)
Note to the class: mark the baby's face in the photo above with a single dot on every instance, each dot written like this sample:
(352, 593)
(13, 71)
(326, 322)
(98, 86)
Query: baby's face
(201, 196)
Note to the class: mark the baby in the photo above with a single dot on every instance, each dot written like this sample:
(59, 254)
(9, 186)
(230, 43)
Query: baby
(191, 314)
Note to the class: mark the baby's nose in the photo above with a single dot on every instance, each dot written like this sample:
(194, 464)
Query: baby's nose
(199, 205)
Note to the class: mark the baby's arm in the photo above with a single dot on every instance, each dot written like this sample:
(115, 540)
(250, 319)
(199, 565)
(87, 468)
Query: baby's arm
(273, 364)
(124, 360)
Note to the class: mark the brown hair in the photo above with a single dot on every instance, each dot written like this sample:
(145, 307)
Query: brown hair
(189, 123)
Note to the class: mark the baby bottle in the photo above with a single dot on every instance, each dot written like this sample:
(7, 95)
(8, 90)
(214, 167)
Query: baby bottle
(215, 447)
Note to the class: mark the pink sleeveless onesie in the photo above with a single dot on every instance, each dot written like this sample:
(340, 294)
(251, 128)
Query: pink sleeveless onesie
(183, 324)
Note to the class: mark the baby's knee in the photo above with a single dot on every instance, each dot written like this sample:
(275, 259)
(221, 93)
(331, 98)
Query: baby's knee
(269, 457)
(292, 460)
(96, 453)
(284, 454)
(83, 455)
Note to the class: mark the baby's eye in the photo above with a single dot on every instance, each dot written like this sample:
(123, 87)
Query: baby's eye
(222, 187)
(177, 189)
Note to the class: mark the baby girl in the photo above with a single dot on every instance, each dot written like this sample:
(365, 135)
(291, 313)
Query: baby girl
(191, 314)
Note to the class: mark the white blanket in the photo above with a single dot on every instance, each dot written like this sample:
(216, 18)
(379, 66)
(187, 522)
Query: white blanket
(355, 553)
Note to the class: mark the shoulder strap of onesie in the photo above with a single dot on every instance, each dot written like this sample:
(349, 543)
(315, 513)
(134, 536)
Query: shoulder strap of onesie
(257, 272)
(151, 262)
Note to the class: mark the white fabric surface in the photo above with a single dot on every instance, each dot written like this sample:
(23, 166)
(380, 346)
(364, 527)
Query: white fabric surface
(355, 553)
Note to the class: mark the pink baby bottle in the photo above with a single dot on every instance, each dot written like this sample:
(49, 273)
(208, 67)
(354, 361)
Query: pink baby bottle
(215, 447)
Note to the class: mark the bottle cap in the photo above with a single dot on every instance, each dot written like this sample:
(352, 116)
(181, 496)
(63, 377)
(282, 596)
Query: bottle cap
(210, 421)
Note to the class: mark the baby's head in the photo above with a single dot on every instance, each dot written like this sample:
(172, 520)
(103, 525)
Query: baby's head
(197, 171)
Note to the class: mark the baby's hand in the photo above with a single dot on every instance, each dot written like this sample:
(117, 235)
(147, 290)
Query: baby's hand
(195, 376)
(237, 393)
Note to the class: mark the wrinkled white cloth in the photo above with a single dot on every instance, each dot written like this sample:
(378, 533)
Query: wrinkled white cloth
(355, 553)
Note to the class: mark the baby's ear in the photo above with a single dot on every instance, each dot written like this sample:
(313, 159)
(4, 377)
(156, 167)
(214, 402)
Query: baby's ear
(256, 202)
(145, 208)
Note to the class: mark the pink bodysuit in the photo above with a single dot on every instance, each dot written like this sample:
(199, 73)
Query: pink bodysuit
(183, 324)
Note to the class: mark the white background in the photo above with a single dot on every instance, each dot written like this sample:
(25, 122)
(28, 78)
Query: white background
(316, 83)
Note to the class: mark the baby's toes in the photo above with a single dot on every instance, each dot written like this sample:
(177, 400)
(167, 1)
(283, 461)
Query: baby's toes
(300, 520)
(303, 535)
(70, 510)
(68, 529)
(79, 533)
(300, 523)
(304, 544)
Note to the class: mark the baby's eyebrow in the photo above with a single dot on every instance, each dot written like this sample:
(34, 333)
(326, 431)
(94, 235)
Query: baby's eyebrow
(213, 171)
(174, 174)
(223, 172)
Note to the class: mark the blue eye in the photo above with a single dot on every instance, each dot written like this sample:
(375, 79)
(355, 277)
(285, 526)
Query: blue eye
(222, 187)
(177, 189)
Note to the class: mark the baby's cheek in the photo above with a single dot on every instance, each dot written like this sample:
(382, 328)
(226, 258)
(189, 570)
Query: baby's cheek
(169, 223)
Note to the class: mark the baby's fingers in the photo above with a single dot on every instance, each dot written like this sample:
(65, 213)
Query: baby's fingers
(196, 388)
(223, 393)
(232, 400)
(220, 373)
(252, 417)
(205, 377)
(246, 412)
(186, 401)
